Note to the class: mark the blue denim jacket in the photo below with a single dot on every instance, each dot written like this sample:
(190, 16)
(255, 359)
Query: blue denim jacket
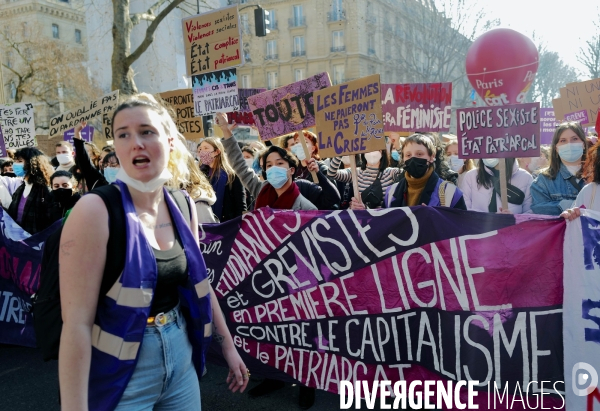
(547, 194)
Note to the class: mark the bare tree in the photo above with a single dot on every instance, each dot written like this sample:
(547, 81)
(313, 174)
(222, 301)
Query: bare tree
(435, 38)
(40, 69)
(552, 74)
(589, 56)
(123, 24)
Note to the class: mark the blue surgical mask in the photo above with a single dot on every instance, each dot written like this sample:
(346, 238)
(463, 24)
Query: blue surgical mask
(491, 162)
(110, 173)
(455, 162)
(19, 169)
(298, 151)
(395, 155)
(277, 176)
(569, 152)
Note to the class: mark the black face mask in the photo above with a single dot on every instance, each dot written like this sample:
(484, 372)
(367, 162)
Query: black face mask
(63, 195)
(9, 174)
(416, 167)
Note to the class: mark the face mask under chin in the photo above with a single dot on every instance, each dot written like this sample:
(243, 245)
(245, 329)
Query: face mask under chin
(148, 186)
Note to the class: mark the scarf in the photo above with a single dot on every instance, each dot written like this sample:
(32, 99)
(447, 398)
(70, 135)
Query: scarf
(416, 187)
(268, 197)
(218, 183)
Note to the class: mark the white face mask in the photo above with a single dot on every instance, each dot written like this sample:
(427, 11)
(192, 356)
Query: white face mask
(373, 157)
(491, 162)
(249, 162)
(298, 151)
(148, 187)
(455, 162)
(64, 158)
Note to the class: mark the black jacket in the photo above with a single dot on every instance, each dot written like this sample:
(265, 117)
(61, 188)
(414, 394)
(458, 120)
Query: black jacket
(323, 195)
(234, 203)
(35, 213)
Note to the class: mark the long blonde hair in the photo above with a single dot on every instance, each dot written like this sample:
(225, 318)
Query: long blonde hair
(221, 162)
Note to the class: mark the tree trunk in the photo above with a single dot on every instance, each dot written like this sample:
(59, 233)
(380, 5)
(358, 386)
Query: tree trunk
(122, 73)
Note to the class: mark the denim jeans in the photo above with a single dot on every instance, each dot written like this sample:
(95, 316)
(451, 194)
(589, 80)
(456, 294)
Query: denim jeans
(164, 377)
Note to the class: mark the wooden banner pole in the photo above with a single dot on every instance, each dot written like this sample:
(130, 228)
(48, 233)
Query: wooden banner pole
(354, 176)
(503, 183)
(307, 154)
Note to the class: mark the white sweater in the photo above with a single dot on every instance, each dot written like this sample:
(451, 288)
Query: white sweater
(585, 197)
(477, 198)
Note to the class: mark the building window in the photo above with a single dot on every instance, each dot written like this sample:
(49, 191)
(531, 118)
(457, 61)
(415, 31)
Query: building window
(371, 44)
(77, 36)
(298, 16)
(271, 80)
(55, 31)
(337, 11)
(272, 20)
(245, 25)
(338, 73)
(271, 49)
(246, 83)
(298, 74)
(298, 46)
(338, 41)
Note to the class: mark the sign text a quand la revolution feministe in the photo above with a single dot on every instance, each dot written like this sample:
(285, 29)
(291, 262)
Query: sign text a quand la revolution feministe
(431, 395)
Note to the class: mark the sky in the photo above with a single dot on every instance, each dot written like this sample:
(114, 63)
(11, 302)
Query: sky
(563, 25)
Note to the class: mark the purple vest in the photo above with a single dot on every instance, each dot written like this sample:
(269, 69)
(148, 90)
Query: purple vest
(122, 314)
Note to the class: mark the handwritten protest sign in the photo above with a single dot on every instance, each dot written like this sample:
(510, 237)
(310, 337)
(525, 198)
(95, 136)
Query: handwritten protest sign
(212, 41)
(322, 297)
(244, 115)
(215, 92)
(17, 124)
(548, 124)
(101, 108)
(420, 106)
(349, 119)
(579, 102)
(182, 102)
(87, 134)
(287, 109)
(244, 94)
(499, 132)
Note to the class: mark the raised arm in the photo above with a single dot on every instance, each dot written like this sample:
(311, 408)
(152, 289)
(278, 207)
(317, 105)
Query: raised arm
(82, 258)
(334, 172)
(93, 177)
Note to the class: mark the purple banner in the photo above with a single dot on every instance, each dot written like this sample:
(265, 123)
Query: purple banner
(579, 116)
(87, 134)
(419, 106)
(244, 94)
(287, 109)
(548, 124)
(499, 132)
(20, 264)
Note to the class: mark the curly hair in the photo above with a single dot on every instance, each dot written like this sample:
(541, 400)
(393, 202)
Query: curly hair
(37, 166)
(95, 156)
(288, 157)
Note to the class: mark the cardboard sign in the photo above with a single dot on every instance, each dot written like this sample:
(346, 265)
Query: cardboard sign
(548, 124)
(182, 102)
(87, 134)
(244, 115)
(215, 92)
(499, 132)
(212, 41)
(287, 109)
(101, 108)
(244, 94)
(579, 102)
(420, 106)
(349, 118)
(17, 124)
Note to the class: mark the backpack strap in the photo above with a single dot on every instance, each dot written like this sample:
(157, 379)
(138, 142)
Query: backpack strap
(442, 192)
(449, 191)
(182, 200)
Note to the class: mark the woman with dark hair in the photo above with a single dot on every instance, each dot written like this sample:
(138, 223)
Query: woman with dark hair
(63, 196)
(555, 188)
(421, 185)
(231, 197)
(374, 176)
(481, 187)
(30, 202)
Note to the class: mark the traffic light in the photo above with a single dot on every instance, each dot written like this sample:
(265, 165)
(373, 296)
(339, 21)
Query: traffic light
(261, 21)
(207, 125)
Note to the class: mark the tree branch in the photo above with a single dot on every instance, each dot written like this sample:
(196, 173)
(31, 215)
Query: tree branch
(148, 15)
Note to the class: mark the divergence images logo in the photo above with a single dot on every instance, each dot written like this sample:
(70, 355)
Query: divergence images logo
(584, 375)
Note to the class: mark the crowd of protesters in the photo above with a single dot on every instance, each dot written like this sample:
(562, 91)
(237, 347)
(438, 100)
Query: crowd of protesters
(225, 179)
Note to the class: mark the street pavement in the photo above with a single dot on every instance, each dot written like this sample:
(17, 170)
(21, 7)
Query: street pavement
(28, 383)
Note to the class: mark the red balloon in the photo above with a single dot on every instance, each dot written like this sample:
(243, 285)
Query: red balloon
(501, 65)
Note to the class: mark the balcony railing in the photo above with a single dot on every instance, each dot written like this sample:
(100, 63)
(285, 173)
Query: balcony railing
(338, 49)
(271, 57)
(299, 53)
(336, 15)
(297, 22)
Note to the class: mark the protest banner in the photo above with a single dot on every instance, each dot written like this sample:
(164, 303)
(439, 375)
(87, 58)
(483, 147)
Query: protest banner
(244, 115)
(212, 41)
(320, 297)
(548, 124)
(349, 118)
(215, 92)
(20, 265)
(17, 124)
(182, 102)
(99, 109)
(287, 109)
(87, 134)
(418, 106)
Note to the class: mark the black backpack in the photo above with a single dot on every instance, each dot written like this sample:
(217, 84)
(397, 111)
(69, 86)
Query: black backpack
(47, 314)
